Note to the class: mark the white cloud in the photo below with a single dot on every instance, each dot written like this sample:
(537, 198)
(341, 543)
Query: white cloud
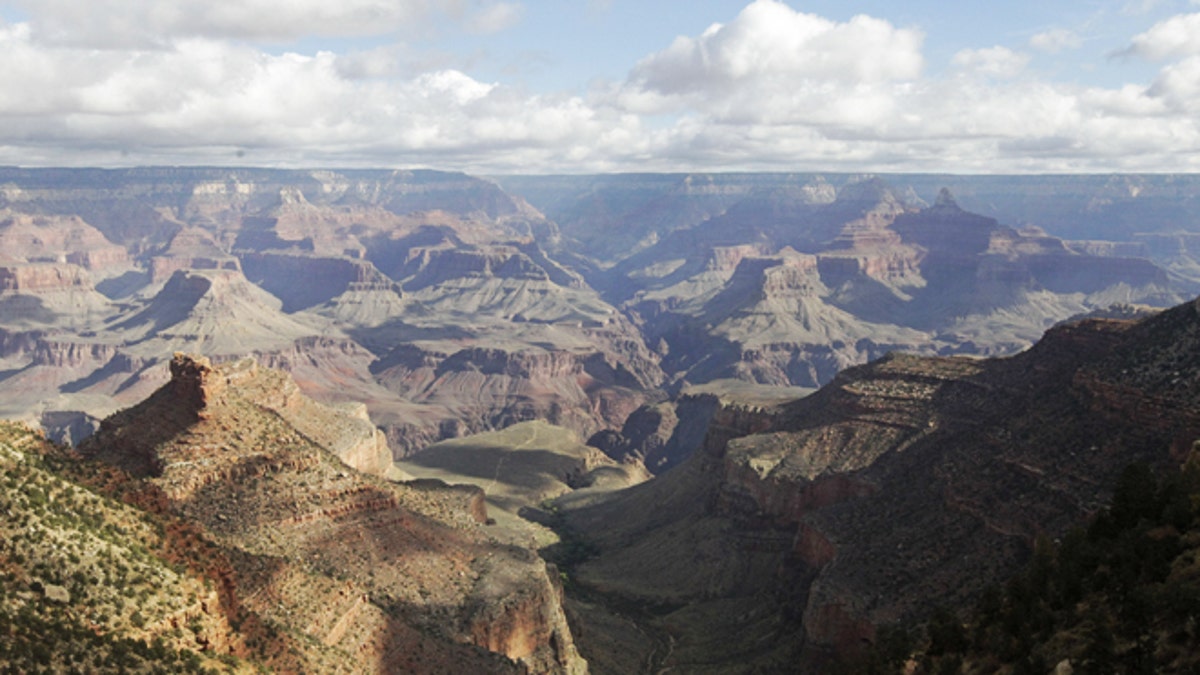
(997, 61)
(770, 41)
(776, 67)
(1178, 85)
(202, 96)
(772, 89)
(1176, 37)
(758, 93)
(1054, 41)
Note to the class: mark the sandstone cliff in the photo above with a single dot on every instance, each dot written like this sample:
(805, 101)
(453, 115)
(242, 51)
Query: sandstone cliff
(340, 570)
(904, 484)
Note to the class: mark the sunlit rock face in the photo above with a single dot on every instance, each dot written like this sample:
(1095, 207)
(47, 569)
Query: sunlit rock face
(381, 576)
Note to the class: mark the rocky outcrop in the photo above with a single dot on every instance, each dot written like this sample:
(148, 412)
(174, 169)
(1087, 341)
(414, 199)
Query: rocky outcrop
(489, 388)
(191, 248)
(53, 353)
(527, 626)
(659, 435)
(888, 274)
(394, 577)
(344, 430)
(429, 267)
(41, 238)
(43, 277)
(905, 484)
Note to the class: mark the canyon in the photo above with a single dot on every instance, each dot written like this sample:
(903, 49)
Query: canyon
(451, 305)
(797, 532)
(754, 419)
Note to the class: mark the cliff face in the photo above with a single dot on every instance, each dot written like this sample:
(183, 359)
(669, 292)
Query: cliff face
(905, 484)
(652, 281)
(35, 278)
(493, 388)
(660, 435)
(58, 239)
(302, 281)
(130, 265)
(785, 289)
(383, 576)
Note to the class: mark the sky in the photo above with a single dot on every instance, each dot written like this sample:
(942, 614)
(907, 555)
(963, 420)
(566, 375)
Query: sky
(589, 86)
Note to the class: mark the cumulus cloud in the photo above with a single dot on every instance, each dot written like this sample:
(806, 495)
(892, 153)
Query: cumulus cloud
(773, 65)
(769, 40)
(1176, 37)
(203, 96)
(773, 88)
(1178, 85)
(1054, 41)
(778, 88)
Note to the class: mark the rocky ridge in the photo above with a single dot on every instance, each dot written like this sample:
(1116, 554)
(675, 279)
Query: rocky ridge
(909, 482)
(343, 571)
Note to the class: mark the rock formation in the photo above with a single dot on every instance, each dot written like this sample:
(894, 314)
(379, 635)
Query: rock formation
(333, 276)
(449, 305)
(338, 569)
(904, 484)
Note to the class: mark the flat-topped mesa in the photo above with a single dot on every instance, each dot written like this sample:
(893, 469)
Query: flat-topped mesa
(192, 248)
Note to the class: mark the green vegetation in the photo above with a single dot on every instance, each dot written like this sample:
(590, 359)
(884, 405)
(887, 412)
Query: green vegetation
(82, 586)
(35, 642)
(1119, 596)
(571, 549)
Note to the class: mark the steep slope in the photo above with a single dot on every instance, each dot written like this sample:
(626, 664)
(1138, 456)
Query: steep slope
(88, 584)
(1140, 215)
(337, 277)
(496, 334)
(608, 218)
(1114, 596)
(890, 273)
(68, 379)
(905, 483)
(58, 239)
(786, 289)
(660, 435)
(49, 297)
(344, 572)
(450, 306)
(213, 312)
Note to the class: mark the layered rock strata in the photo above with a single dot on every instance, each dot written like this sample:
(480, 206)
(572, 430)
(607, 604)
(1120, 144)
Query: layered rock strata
(352, 572)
